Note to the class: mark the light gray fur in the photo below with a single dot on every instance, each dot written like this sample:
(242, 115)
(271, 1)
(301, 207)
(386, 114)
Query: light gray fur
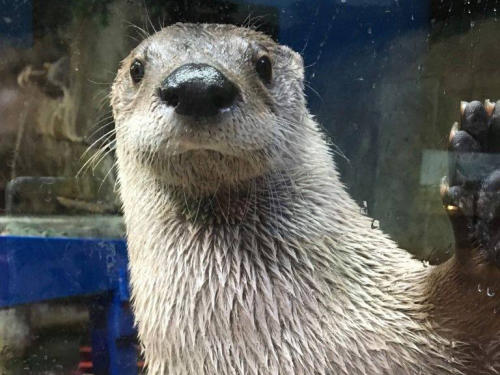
(247, 255)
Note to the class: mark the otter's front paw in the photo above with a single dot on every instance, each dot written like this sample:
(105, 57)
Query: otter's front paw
(471, 193)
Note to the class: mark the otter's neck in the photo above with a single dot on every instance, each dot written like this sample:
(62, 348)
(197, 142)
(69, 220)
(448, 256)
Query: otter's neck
(280, 274)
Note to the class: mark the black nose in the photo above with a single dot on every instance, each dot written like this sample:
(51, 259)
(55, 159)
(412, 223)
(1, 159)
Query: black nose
(198, 90)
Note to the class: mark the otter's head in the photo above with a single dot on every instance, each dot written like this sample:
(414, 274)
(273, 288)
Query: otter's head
(208, 105)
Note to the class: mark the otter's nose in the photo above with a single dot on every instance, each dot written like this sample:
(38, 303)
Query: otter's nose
(198, 90)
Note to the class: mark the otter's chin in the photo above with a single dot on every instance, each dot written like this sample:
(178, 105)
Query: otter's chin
(184, 145)
(207, 170)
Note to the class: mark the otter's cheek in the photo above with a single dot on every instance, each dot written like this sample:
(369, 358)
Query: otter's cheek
(141, 132)
(249, 133)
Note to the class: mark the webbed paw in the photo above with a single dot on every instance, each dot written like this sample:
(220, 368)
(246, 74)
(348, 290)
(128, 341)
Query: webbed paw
(471, 192)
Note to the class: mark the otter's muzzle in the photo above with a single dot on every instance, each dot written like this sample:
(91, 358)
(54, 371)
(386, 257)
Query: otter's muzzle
(198, 90)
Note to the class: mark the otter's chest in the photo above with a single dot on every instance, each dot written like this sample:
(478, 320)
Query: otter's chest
(229, 301)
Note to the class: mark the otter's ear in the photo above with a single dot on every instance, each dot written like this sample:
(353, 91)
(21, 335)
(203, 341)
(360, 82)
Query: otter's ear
(292, 59)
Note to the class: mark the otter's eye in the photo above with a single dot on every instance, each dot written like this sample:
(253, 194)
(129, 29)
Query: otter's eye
(264, 69)
(136, 71)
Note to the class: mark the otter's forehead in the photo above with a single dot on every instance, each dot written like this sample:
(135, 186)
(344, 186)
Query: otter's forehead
(201, 41)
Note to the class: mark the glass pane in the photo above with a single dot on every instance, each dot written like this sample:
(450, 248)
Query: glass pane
(383, 78)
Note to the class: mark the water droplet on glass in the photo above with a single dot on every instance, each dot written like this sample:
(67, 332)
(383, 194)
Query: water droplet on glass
(479, 288)
(375, 224)
(369, 31)
(472, 24)
(490, 292)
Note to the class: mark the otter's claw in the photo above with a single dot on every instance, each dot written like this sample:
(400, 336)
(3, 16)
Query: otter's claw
(471, 193)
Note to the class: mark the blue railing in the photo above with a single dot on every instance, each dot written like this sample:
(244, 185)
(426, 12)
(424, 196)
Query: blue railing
(37, 269)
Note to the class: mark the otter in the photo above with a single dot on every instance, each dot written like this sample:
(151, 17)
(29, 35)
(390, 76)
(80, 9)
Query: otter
(247, 254)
